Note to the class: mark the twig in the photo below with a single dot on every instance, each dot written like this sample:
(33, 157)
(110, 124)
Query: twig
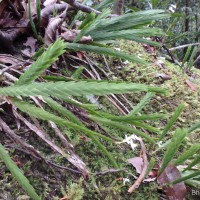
(142, 175)
(8, 68)
(46, 161)
(197, 59)
(81, 7)
(183, 46)
(14, 9)
(22, 150)
(67, 153)
(170, 54)
(62, 167)
(109, 171)
(11, 56)
(10, 133)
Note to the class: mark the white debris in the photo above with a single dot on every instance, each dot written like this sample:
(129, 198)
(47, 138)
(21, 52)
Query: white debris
(126, 180)
(131, 141)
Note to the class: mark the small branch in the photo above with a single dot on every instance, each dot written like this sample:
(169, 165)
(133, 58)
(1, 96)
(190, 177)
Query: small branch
(170, 54)
(109, 171)
(183, 46)
(145, 166)
(81, 7)
(8, 68)
(62, 167)
(46, 161)
(14, 9)
(11, 134)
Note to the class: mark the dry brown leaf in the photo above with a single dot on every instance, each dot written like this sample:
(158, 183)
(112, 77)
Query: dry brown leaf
(49, 10)
(138, 163)
(70, 35)
(31, 46)
(174, 192)
(49, 2)
(33, 8)
(51, 30)
(80, 55)
(159, 63)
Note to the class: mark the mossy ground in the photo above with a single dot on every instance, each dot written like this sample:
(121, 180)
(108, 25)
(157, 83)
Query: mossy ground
(54, 183)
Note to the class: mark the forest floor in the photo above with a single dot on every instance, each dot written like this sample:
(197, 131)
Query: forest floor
(51, 175)
(53, 182)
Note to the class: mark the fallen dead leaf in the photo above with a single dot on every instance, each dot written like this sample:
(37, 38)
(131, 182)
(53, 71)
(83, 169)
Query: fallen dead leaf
(80, 55)
(49, 10)
(31, 47)
(173, 192)
(49, 2)
(51, 30)
(137, 162)
(70, 35)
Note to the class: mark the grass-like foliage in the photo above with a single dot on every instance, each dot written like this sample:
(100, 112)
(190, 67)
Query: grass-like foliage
(129, 26)
(106, 51)
(17, 173)
(188, 154)
(172, 120)
(172, 148)
(42, 63)
(55, 89)
(62, 89)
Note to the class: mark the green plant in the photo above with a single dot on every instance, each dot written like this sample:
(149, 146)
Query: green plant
(17, 173)
(26, 87)
(129, 26)
(57, 90)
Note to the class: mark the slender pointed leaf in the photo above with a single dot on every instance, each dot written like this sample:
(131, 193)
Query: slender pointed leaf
(17, 173)
(172, 120)
(172, 148)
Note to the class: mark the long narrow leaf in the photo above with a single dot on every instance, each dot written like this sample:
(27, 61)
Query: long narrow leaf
(44, 115)
(124, 34)
(103, 4)
(127, 21)
(193, 163)
(191, 60)
(38, 8)
(62, 111)
(172, 148)
(43, 62)
(141, 104)
(172, 120)
(63, 89)
(150, 166)
(106, 51)
(194, 127)
(17, 173)
(131, 119)
(31, 20)
(146, 126)
(195, 174)
(123, 127)
(186, 155)
(187, 54)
